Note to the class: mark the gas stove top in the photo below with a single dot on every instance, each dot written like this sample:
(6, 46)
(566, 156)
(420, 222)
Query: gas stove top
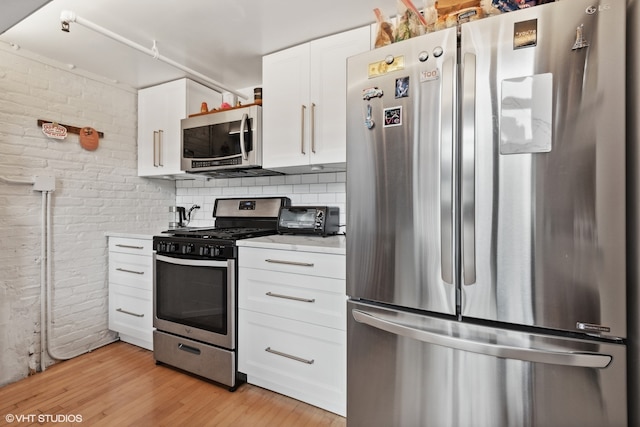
(227, 233)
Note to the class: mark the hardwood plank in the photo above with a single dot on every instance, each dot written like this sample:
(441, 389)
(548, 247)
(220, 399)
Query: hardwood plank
(120, 384)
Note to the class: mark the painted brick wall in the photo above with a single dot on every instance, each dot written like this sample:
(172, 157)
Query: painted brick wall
(313, 189)
(95, 192)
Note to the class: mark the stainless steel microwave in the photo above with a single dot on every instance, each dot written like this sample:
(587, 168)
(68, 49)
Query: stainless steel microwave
(224, 143)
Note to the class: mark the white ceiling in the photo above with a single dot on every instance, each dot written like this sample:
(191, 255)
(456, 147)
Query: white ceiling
(222, 39)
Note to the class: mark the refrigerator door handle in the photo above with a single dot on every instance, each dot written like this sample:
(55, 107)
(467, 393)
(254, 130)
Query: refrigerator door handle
(446, 173)
(468, 196)
(567, 358)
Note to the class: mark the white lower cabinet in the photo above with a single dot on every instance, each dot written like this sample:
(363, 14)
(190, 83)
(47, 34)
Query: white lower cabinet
(131, 290)
(292, 324)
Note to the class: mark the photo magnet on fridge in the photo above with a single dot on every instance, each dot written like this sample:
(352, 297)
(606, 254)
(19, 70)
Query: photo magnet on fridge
(402, 87)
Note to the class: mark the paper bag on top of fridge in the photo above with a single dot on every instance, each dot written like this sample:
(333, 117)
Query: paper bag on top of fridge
(450, 13)
(384, 35)
(441, 14)
(430, 14)
(410, 23)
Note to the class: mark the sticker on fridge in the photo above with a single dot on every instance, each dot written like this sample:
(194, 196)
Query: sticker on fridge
(393, 116)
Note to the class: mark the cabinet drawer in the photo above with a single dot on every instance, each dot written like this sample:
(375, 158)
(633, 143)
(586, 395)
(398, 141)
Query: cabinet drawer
(307, 263)
(131, 270)
(317, 300)
(130, 312)
(300, 360)
(131, 246)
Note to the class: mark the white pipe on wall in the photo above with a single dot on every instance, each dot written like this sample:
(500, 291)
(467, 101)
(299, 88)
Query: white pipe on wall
(43, 278)
(68, 16)
(49, 251)
(15, 181)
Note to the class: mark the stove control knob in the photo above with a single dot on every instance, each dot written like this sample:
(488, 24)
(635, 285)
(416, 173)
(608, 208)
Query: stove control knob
(188, 248)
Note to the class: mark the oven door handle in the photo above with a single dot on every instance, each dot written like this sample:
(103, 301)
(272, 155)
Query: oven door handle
(193, 262)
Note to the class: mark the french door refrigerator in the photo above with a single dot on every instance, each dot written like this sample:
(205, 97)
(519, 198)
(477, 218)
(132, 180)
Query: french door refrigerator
(486, 223)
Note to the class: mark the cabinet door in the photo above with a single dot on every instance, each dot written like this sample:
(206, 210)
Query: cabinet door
(309, 299)
(160, 109)
(130, 314)
(328, 89)
(297, 359)
(285, 81)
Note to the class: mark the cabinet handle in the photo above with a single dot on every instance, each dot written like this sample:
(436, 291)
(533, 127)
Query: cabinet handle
(155, 148)
(129, 313)
(129, 246)
(129, 271)
(160, 141)
(301, 264)
(304, 107)
(271, 294)
(289, 356)
(313, 128)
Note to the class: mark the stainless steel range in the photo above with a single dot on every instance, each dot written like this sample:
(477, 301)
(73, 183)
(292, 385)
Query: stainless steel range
(195, 288)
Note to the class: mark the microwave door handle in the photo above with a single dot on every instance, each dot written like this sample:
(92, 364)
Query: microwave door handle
(243, 123)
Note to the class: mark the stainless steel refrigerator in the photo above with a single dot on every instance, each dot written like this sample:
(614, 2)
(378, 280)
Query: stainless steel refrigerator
(486, 223)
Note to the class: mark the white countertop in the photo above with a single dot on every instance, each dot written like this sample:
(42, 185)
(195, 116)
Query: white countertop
(139, 234)
(330, 244)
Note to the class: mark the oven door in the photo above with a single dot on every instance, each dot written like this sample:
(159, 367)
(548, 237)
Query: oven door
(195, 299)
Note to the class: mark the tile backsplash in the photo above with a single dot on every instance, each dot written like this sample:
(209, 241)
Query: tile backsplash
(324, 189)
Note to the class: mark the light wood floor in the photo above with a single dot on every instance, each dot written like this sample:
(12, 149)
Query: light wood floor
(120, 385)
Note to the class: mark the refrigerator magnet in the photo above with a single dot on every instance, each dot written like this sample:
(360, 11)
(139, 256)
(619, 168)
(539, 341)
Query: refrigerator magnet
(429, 75)
(402, 87)
(393, 116)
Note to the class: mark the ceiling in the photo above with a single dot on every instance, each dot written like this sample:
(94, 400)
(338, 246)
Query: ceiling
(221, 39)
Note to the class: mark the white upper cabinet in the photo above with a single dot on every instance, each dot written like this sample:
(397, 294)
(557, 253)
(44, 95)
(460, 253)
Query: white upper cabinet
(160, 109)
(304, 92)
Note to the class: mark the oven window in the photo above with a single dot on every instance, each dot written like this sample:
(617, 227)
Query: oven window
(192, 296)
(214, 141)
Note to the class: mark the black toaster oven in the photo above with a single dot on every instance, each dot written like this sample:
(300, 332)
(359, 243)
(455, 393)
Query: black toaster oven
(315, 220)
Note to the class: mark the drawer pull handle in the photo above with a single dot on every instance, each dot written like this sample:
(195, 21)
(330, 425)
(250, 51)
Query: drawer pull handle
(129, 271)
(289, 356)
(129, 246)
(130, 313)
(301, 264)
(271, 294)
(189, 349)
